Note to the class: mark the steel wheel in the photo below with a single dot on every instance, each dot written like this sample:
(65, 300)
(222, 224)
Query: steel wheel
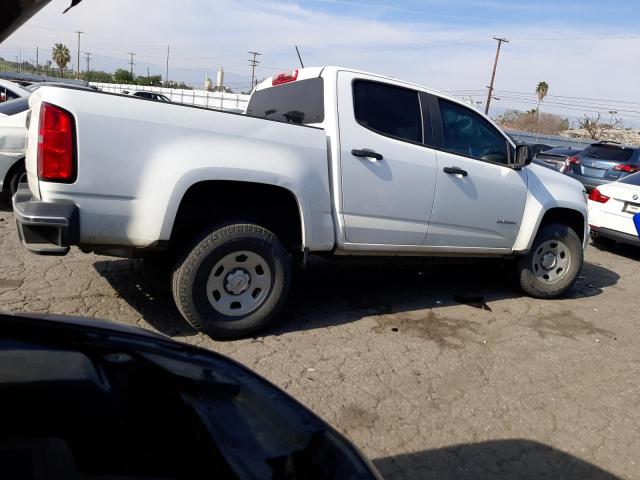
(238, 283)
(551, 261)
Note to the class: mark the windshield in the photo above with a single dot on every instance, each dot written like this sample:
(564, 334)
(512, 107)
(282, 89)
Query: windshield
(611, 153)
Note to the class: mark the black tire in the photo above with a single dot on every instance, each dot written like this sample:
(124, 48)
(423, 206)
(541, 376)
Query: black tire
(193, 272)
(14, 181)
(538, 281)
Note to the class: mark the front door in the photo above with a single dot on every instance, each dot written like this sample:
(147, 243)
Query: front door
(480, 200)
(388, 175)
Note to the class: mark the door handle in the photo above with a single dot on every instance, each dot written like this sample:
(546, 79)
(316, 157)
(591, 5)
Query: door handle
(455, 171)
(365, 153)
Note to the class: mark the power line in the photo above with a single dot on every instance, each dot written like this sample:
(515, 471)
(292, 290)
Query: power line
(88, 58)
(131, 54)
(493, 75)
(78, 65)
(253, 63)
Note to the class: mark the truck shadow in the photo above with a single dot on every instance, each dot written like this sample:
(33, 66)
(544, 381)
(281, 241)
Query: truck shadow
(330, 293)
(498, 460)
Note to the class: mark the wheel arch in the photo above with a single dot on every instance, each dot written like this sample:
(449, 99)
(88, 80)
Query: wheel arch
(216, 201)
(566, 216)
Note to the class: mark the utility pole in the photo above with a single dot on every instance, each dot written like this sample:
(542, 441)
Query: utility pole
(299, 57)
(88, 56)
(478, 103)
(612, 113)
(78, 74)
(253, 63)
(493, 75)
(131, 62)
(166, 77)
(37, 60)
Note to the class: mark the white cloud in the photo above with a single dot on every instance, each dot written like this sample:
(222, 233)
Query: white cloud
(204, 35)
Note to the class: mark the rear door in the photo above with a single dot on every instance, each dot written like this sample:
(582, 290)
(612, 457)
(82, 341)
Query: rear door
(388, 175)
(480, 200)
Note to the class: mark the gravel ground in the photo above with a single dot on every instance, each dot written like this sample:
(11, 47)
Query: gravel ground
(426, 386)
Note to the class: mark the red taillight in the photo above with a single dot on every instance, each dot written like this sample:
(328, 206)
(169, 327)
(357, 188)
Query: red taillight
(55, 145)
(284, 77)
(573, 161)
(596, 196)
(626, 168)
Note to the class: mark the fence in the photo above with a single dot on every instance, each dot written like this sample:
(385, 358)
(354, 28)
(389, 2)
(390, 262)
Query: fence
(234, 102)
(552, 140)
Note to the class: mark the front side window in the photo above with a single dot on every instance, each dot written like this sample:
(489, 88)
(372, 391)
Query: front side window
(467, 133)
(388, 110)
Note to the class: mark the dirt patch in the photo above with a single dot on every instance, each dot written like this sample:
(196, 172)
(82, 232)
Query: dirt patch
(7, 284)
(568, 325)
(354, 417)
(445, 332)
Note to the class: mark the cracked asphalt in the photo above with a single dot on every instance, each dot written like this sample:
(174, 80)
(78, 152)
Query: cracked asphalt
(426, 386)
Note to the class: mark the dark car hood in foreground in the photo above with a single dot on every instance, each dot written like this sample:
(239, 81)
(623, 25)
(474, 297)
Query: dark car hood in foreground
(83, 398)
(13, 13)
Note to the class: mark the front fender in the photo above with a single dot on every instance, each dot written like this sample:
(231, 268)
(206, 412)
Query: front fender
(549, 189)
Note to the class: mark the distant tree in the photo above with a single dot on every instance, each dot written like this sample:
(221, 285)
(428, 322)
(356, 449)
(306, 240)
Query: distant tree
(98, 76)
(153, 80)
(123, 76)
(61, 56)
(596, 128)
(526, 121)
(541, 90)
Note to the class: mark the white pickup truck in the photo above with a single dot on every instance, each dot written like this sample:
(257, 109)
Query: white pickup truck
(325, 160)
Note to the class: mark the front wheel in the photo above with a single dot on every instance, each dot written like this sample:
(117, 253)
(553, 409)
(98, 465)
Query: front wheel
(232, 281)
(552, 266)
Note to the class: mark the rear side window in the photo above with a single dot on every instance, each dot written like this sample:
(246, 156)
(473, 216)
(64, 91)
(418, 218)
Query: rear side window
(631, 179)
(388, 110)
(300, 102)
(610, 153)
(13, 107)
(467, 133)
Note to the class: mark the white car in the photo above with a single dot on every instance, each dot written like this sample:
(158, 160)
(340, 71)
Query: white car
(10, 91)
(612, 208)
(13, 141)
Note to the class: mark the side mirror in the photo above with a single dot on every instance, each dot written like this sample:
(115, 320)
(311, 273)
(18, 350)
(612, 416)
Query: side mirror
(523, 157)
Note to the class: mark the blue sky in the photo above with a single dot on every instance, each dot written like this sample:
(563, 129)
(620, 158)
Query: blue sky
(585, 49)
(490, 12)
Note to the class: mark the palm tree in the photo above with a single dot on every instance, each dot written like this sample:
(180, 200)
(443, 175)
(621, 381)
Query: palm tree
(61, 56)
(541, 90)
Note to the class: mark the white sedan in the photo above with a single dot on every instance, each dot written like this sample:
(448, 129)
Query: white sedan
(612, 208)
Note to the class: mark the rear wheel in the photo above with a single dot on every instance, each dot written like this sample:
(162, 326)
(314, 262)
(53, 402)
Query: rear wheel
(19, 176)
(232, 281)
(552, 266)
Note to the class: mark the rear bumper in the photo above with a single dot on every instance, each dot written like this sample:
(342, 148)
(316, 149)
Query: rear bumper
(615, 235)
(45, 228)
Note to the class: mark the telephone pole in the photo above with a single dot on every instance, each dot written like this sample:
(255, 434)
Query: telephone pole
(166, 77)
(131, 62)
(493, 75)
(78, 64)
(37, 59)
(253, 63)
(88, 57)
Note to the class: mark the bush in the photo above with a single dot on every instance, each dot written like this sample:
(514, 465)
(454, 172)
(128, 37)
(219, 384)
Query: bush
(531, 121)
